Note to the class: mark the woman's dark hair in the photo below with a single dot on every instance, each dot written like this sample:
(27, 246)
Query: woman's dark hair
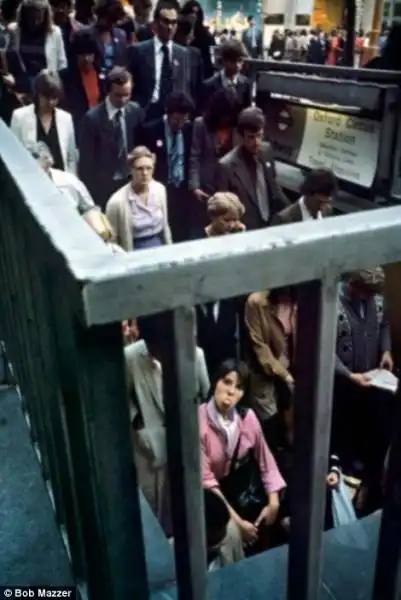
(319, 181)
(223, 106)
(48, 85)
(84, 42)
(251, 119)
(188, 9)
(184, 28)
(288, 291)
(179, 102)
(226, 367)
(24, 15)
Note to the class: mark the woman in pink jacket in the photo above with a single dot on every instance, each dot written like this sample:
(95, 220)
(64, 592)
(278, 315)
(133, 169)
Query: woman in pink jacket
(232, 443)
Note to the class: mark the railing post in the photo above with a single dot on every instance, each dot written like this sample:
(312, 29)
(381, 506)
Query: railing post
(317, 324)
(181, 409)
(387, 584)
(91, 371)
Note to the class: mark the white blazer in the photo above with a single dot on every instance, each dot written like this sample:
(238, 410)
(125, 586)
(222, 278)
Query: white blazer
(23, 125)
(119, 214)
(144, 376)
(56, 58)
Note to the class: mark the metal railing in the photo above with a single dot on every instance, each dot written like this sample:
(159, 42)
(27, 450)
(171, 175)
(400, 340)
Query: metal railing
(63, 296)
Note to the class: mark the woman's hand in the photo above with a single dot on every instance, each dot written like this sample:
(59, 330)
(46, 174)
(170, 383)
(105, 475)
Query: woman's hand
(268, 515)
(249, 532)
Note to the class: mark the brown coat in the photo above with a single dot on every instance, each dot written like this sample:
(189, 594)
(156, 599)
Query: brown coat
(292, 214)
(268, 345)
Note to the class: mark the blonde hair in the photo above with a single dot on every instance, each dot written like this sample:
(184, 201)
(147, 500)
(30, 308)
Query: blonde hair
(140, 152)
(224, 202)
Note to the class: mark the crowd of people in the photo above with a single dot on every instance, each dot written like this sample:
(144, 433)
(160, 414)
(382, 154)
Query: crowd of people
(154, 143)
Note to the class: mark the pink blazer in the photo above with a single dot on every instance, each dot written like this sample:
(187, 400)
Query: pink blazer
(216, 463)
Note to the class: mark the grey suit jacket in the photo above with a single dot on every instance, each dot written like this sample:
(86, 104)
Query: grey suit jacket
(203, 162)
(233, 175)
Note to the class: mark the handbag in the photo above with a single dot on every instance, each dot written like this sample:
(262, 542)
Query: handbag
(243, 488)
(349, 531)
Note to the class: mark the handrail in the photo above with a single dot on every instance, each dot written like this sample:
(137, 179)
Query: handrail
(373, 75)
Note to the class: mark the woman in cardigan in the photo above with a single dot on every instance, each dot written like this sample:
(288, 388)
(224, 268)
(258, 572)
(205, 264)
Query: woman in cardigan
(138, 211)
(230, 435)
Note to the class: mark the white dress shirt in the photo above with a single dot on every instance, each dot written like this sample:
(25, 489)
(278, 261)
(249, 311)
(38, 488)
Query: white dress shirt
(306, 215)
(158, 65)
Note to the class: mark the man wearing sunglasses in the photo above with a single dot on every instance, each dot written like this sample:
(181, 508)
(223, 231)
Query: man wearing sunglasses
(159, 66)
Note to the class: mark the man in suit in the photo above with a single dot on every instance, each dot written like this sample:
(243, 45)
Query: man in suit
(317, 189)
(249, 172)
(184, 37)
(111, 40)
(144, 362)
(109, 132)
(159, 66)
(232, 56)
(252, 39)
(169, 138)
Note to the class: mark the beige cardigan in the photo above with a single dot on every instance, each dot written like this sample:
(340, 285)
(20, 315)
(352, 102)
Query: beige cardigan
(119, 214)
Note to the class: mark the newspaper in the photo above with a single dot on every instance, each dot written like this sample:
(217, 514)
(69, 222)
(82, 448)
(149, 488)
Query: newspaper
(384, 380)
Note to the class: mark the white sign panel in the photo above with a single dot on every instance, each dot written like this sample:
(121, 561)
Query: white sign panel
(346, 144)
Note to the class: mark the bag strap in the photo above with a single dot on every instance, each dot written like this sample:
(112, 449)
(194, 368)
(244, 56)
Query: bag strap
(234, 456)
(242, 411)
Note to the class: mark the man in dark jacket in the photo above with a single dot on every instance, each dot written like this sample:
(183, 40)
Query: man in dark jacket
(169, 138)
(249, 171)
(361, 428)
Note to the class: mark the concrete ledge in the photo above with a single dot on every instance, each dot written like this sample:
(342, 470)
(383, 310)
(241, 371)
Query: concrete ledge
(349, 555)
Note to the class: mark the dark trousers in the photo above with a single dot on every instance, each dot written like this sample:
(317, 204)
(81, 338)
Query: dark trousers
(178, 212)
(361, 427)
(103, 193)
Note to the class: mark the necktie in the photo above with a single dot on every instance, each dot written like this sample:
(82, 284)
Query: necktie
(166, 75)
(175, 175)
(120, 140)
(261, 191)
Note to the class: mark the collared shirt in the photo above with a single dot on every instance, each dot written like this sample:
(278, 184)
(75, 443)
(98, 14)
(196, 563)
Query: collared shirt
(158, 45)
(306, 215)
(229, 82)
(111, 113)
(253, 37)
